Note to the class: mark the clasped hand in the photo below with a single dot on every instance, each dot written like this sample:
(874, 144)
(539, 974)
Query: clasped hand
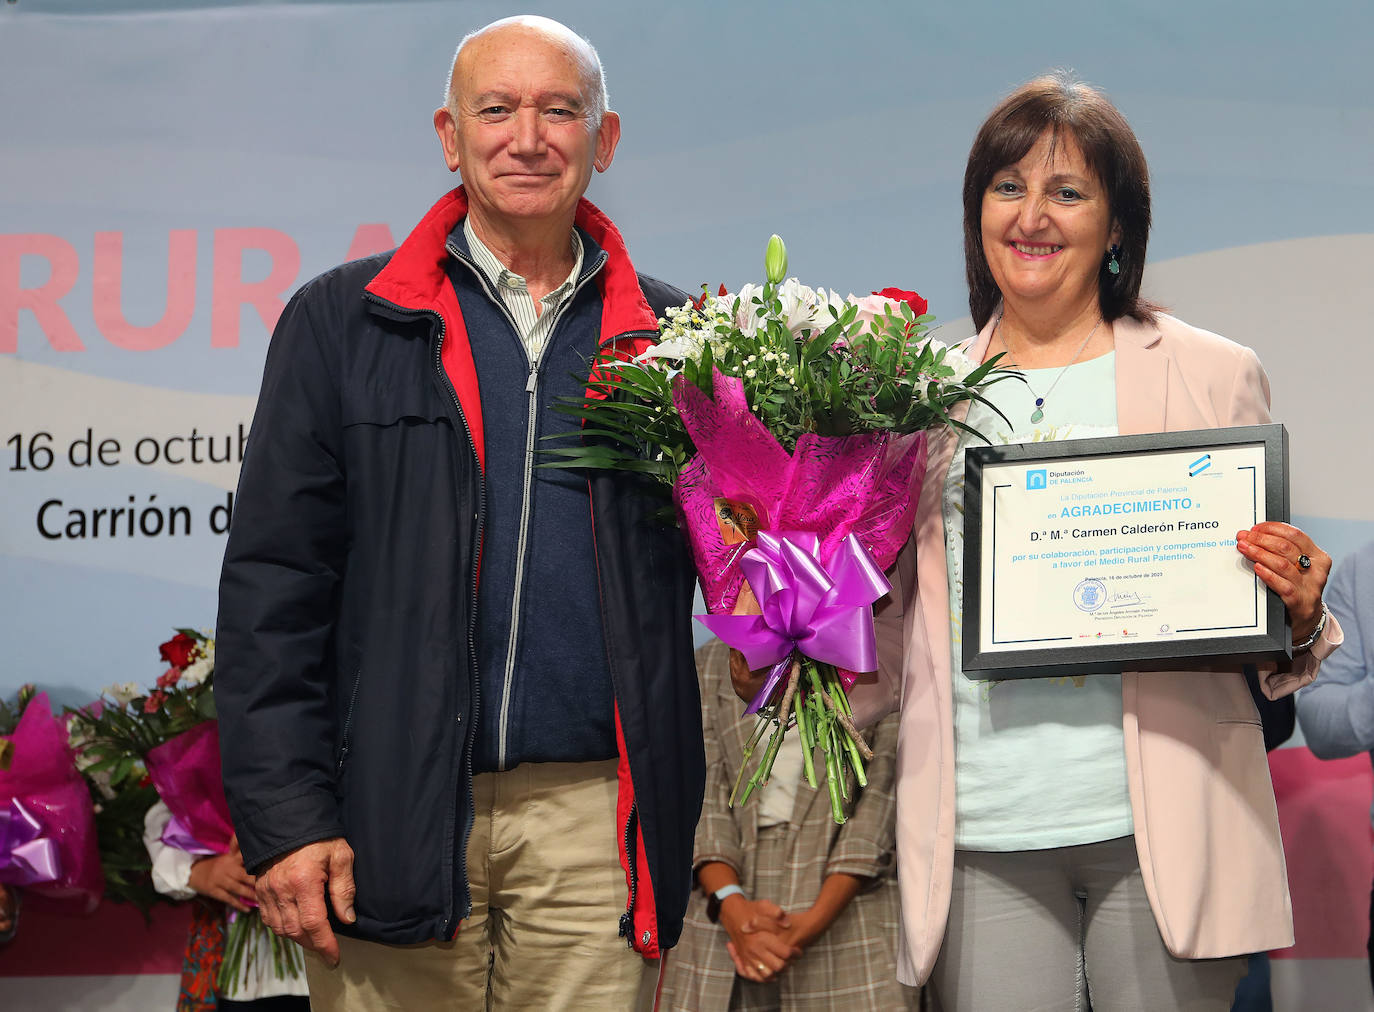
(764, 939)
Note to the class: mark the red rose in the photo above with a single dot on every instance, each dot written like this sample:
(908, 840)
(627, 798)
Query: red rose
(918, 305)
(168, 678)
(177, 651)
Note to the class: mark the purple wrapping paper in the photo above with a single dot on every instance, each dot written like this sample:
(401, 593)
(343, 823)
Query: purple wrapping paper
(854, 491)
(44, 781)
(186, 773)
(831, 486)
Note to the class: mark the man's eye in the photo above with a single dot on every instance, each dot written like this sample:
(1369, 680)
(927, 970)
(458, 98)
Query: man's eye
(495, 110)
(560, 113)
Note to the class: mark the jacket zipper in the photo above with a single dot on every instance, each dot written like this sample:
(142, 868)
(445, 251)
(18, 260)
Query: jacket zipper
(531, 420)
(450, 922)
(348, 722)
(627, 919)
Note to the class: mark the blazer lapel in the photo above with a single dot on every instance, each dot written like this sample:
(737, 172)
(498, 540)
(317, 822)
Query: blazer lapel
(1142, 378)
(931, 575)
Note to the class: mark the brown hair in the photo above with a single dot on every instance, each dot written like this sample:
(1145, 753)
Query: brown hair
(1061, 104)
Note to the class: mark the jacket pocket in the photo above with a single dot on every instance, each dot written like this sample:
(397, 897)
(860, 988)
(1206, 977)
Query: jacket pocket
(389, 404)
(345, 738)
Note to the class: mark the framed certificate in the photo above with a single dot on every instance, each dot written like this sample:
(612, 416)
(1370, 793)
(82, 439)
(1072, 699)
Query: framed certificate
(1119, 554)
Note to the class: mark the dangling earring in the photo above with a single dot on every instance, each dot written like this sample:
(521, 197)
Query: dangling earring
(1112, 266)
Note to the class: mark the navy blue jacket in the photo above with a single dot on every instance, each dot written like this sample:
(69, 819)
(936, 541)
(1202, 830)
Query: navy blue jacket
(346, 656)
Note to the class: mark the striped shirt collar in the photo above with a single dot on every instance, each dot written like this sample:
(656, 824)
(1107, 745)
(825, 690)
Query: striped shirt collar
(506, 281)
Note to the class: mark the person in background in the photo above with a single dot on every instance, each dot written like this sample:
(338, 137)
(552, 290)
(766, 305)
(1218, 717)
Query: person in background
(1278, 717)
(1336, 712)
(222, 879)
(455, 690)
(791, 911)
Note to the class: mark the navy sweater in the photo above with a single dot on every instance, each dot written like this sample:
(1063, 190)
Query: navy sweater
(544, 681)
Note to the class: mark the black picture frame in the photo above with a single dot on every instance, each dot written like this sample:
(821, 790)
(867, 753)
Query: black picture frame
(1052, 658)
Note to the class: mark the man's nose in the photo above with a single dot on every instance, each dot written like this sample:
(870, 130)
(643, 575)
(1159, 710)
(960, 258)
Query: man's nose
(527, 132)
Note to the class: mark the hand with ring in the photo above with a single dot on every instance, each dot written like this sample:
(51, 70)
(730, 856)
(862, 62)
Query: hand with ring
(1292, 566)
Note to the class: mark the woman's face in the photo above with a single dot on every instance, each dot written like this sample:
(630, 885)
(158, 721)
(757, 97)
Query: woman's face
(1046, 226)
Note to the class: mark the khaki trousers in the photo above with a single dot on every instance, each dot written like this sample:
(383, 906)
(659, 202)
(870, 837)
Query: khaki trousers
(547, 895)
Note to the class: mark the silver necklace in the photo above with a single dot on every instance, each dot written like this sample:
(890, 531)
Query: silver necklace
(1039, 412)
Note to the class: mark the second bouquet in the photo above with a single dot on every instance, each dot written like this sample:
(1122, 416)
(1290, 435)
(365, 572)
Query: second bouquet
(790, 425)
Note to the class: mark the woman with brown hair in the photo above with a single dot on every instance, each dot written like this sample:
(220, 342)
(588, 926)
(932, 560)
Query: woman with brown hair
(1110, 838)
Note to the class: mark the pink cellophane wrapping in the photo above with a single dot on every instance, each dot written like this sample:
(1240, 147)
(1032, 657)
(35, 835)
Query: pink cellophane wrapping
(43, 776)
(186, 772)
(831, 485)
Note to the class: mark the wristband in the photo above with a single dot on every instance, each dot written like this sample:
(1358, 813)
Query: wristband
(718, 897)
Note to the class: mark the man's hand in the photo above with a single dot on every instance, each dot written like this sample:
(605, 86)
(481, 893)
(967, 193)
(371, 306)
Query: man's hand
(291, 894)
(223, 877)
(758, 937)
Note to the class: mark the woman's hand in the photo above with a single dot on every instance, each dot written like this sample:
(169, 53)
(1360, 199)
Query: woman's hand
(224, 878)
(1278, 550)
(758, 937)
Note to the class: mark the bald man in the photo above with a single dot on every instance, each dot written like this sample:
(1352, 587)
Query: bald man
(459, 716)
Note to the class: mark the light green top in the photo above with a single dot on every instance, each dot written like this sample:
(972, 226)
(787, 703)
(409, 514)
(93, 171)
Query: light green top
(1039, 762)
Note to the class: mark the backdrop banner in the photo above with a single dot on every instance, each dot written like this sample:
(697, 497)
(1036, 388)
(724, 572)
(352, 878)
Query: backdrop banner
(172, 171)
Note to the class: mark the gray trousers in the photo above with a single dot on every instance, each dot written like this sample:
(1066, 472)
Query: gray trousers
(1068, 928)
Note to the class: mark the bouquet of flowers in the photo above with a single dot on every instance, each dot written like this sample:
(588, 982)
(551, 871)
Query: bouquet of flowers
(47, 826)
(168, 737)
(790, 426)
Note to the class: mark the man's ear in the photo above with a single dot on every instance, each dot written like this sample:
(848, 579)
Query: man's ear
(447, 130)
(607, 137)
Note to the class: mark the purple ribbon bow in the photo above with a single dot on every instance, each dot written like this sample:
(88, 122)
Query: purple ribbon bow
(27, 857)
(824, 610)
(175, 834)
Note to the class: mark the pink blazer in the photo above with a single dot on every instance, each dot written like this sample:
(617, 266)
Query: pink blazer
(1206, 826)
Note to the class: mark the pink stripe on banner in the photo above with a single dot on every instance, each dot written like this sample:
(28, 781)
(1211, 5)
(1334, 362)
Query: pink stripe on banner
(1324, 816)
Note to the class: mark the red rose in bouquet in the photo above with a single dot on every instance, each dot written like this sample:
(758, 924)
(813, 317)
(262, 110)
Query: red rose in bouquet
(178, 650)
(918, 305)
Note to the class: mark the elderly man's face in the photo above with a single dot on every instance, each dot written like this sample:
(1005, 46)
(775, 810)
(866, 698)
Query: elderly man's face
(523, 138)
